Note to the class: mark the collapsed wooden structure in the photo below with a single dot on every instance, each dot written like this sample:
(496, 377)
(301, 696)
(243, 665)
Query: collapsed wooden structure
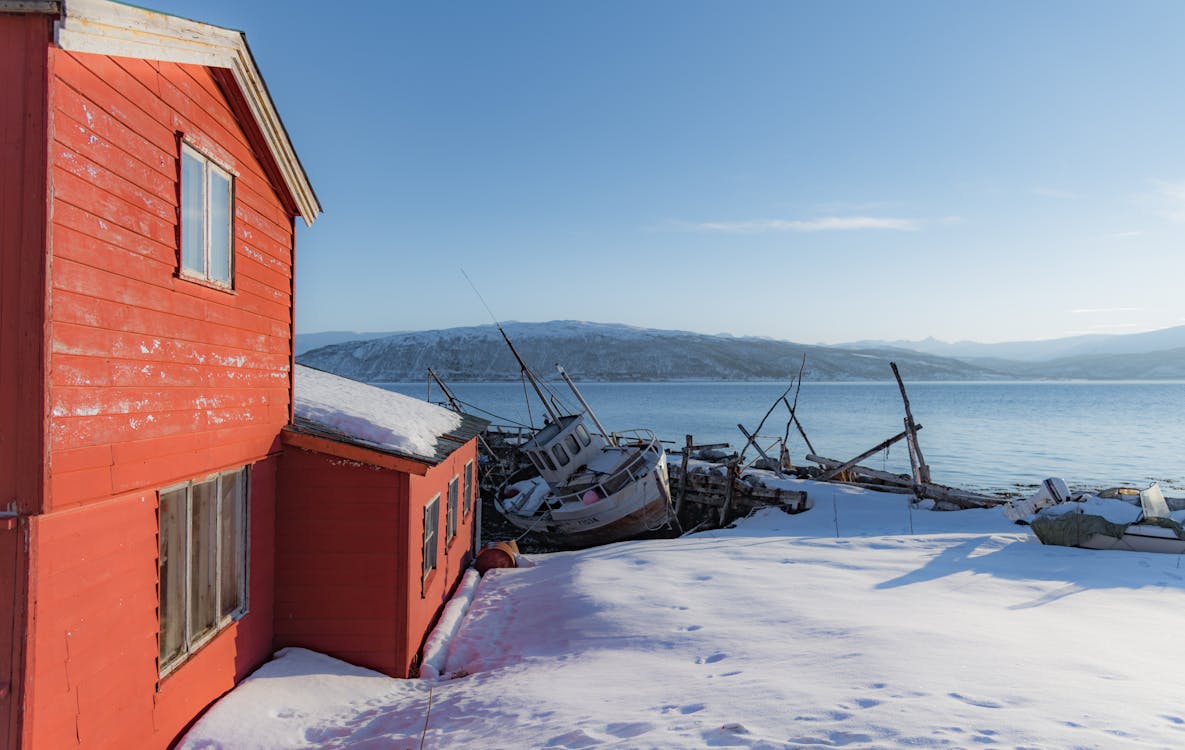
(713, 494)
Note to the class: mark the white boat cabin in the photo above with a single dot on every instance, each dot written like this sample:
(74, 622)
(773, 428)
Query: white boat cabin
(562, 447)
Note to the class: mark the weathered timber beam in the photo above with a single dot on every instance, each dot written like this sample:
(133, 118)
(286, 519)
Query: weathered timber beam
(831, 473)
(961, 498)
(884, 476)
(753, 442)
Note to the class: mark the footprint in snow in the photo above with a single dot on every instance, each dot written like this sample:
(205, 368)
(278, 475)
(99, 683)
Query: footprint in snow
(574, 739)
(974, 702)
(711, 659)
(628, 730)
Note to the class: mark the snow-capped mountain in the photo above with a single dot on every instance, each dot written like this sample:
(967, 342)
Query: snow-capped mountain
(610, 352)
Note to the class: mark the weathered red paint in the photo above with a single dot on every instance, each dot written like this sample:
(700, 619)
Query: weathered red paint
(349, 552)
(118, 378)
(24, 132)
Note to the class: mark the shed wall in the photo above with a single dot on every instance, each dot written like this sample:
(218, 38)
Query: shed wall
(340, 539)
(426, 598)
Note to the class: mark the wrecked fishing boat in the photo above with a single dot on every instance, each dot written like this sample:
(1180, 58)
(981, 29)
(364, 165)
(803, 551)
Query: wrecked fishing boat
(1116, 519)
(585, 487)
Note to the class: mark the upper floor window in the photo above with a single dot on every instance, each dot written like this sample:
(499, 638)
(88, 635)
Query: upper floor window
(206, 217)
(202, 560)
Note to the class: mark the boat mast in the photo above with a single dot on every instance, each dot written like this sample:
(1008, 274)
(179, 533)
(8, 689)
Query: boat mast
(444, 389)
(530, 375)
(587, 409)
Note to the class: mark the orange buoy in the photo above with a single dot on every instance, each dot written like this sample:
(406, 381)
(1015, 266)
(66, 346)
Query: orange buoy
(497, 555)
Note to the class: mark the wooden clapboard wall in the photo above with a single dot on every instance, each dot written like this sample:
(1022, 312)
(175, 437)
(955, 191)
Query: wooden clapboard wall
(151, 380)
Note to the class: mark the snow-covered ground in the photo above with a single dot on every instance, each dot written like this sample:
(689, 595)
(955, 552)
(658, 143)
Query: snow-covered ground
(857, 624)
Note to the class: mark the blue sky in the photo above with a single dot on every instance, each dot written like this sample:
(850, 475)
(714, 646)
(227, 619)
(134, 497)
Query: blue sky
(819, 172)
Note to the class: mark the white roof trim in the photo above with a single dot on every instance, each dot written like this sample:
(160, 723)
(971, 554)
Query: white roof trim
(108, 28)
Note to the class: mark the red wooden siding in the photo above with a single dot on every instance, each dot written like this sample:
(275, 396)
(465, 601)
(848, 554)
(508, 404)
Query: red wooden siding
(23, 192)
(24, 79)
(340, 535)
(95, 639)
(129, 379)
(156, 379)
(425, 603)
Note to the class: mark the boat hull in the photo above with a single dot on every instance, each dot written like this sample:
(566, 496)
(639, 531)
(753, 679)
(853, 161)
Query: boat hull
(643, 507)
(1136, 539)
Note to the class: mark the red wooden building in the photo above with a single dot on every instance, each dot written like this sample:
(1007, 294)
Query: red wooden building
(373, 527)
(148, 198)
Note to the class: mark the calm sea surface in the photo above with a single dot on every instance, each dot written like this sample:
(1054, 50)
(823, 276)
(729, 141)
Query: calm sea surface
(983, 436)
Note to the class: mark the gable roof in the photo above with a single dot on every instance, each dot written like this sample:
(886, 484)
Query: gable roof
(110, 28)
(353, 420)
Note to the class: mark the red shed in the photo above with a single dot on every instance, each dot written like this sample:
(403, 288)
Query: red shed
(375, 520)
(148, 194)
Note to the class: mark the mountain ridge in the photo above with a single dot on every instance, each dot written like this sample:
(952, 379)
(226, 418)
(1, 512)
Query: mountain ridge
(614, 352)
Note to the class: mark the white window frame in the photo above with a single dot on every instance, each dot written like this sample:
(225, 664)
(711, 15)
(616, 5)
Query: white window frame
(206, 273)
(453, 510)
(468, 488)
(191, 641)
(431, 536)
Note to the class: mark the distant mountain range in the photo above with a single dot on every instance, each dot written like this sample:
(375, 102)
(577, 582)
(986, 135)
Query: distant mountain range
(1042, 351)
(608, 352)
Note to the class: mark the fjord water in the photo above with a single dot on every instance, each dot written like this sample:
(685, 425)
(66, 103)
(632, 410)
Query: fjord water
(998, 436)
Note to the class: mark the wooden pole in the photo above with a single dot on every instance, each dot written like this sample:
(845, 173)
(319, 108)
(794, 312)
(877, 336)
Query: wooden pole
(922, 471)
(683, 478)
(725, 509)
(832, 473)
(801, 431)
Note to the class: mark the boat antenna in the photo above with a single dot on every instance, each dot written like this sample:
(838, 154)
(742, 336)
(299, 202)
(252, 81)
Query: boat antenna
(530, 374)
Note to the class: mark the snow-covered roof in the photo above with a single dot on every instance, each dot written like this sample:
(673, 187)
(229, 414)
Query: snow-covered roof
(348, 411)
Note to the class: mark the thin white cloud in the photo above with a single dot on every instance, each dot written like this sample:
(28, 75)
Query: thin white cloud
(1125, 235)
(824, 224)
(1096, 310)
(1171, 197)
(1048, 192)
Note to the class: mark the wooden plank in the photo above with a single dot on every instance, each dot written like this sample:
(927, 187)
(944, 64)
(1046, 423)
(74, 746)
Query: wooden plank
(832, 473)
(123, 98)
(78, 192)
(99, 229)
(75, 141)
(883, 476)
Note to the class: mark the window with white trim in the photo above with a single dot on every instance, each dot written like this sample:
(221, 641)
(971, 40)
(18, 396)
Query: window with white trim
(450, 516)
(431, 528)
(203, 528)
(207, 200)
(468, 487)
